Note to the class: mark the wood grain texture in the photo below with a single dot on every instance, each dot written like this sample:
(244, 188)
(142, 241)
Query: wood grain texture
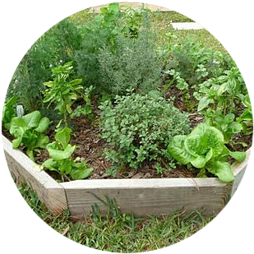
(239, 170)
(146, 197)
(134, 5)
(24, 170)
(143, 197)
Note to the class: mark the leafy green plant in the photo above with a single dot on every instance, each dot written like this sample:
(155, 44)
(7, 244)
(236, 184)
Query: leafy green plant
(60, 160)
(246, 119)
(139, 127)
(225, 123)
(175, 77)
(204, 149)
(9, 111)
(222, 92)
(193, 61)
(29, 130)
(85, 109)
(62, 92)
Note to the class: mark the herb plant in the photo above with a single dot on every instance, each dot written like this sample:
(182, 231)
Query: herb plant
(139, 127)
(101, 36)
(29, 130)
(60, 152)
(134, 64)
(62, 92)
(222, 92)
(204, 149)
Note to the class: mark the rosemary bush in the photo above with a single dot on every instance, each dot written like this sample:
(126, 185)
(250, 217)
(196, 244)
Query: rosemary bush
(134, 64)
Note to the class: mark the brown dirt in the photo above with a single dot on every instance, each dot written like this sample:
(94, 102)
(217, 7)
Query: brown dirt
(90, 146)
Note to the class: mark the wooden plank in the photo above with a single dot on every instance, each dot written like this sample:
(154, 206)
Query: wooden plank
(24, 170)
(146, 197)
(186, 26)
(135, 5)
(239, 170)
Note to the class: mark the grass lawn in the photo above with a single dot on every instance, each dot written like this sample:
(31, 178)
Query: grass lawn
(120, 233)
(161, 21)
(124, 233)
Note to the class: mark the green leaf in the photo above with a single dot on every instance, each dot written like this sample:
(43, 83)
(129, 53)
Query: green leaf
(63, 136)
(114, 7)
(65, 166)
(202, 139)
(75, 82)
(16, 142)
(57, 154)
(204, 102)
(49, 83)
(42, 141)
(80, 171)
(18, 127)
(177, 150)
(50, 164)
(43, 125)
(239, 156)
(200, 161)
(222, 170)
(222, 89)
(32, 119)
(30, 154)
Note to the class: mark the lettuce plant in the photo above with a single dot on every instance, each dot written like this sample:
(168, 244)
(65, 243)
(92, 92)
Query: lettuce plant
(60, 160)
(29, 130)
(9, 111)
(204, 149)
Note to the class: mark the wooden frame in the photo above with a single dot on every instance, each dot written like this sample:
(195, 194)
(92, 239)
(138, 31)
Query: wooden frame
(143, 197)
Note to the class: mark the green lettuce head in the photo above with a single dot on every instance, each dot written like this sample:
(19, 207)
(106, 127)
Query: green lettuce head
(204, 149)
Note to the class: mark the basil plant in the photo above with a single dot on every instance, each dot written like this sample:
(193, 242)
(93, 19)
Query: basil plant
(204, 148)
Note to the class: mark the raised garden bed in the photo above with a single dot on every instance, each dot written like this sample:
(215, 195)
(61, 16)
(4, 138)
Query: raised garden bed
(143, 197)
(147, 119)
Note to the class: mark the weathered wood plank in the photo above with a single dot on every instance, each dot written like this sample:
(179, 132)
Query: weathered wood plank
(24, 170)
(239, 170)
(134, 5)
(146, 197)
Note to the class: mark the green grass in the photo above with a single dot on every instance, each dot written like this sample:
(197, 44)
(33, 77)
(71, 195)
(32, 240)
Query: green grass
(120, 232)
(161, 22)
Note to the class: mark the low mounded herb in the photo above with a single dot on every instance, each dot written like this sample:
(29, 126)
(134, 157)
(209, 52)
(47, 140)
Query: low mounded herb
(139, 127)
